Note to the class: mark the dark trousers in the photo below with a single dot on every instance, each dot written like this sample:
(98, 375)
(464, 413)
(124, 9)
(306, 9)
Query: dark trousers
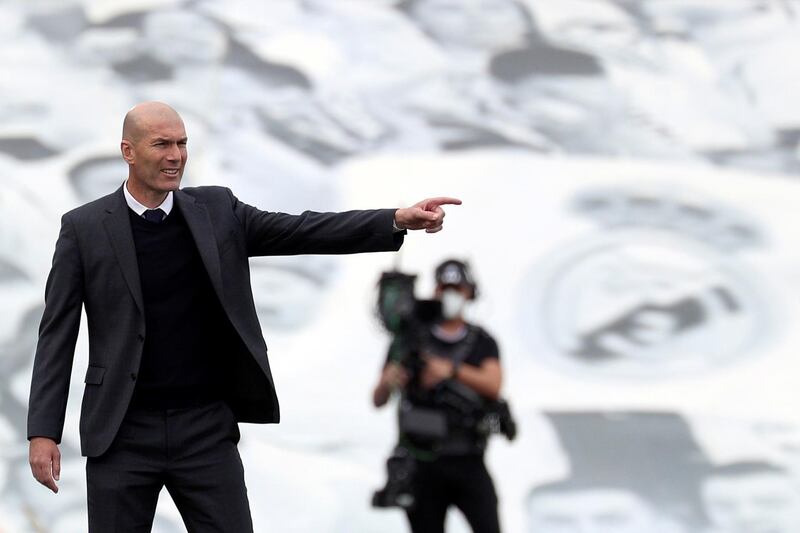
(192, 452)
(462, 481)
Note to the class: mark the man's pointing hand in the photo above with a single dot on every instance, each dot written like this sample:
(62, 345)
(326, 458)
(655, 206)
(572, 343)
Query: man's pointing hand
(427, 214)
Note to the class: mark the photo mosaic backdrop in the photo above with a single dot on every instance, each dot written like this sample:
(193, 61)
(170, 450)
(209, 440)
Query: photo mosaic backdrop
(629, 171)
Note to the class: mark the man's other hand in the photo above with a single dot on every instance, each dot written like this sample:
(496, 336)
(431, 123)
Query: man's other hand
(427, 214)
(45, 459)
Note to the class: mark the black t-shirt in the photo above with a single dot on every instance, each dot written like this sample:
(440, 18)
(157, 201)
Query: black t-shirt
(472, 347)
(483, 346)
(480, 347)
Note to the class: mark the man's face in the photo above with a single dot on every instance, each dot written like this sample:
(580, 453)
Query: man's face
(491, 25)
(158, 156)
(591, 511)
(754, 503)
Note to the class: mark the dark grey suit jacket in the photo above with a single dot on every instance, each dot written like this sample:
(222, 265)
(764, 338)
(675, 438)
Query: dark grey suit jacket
(95, 266)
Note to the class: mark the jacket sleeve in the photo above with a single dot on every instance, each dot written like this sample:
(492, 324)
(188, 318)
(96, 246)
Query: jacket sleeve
(269, 233)
(58, 333)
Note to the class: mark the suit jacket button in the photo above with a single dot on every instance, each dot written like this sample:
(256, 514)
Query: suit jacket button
(141, 337)
(133, 376)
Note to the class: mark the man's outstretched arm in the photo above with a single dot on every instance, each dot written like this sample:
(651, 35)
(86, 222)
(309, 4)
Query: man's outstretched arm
(269, 233)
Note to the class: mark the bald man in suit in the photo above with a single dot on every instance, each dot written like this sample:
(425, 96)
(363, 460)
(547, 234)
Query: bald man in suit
(176, 354)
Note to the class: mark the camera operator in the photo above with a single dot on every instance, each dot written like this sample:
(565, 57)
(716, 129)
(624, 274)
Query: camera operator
(445, 373)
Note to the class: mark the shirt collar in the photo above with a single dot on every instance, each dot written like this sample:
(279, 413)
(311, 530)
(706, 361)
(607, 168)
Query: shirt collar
(139, 209)
(450, 338)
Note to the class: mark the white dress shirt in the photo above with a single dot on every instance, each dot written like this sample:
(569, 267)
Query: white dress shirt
(139, 209)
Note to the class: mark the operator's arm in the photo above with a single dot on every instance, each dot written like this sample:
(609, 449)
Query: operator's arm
(55, 350)
(393, 377)
(480, 371)
(485, 379)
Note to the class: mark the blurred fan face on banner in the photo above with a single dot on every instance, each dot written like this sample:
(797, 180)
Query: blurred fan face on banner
(480, 24)
(598, 510)
(784, 443)
(288, 290)
(607, 30)
(20, 289)
(97, 176)
(765, 502)
(183, 38)
(565, 100)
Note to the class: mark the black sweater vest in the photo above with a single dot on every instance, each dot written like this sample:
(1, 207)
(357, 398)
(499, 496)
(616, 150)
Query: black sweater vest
(187, 331)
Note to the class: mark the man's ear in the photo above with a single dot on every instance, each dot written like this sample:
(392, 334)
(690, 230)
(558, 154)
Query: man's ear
(127, 151)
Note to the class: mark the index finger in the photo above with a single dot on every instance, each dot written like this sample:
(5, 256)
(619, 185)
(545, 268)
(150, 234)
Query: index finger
(433, 203)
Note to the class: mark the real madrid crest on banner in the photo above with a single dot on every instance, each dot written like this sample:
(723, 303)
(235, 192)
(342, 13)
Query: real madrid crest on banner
(661, 286)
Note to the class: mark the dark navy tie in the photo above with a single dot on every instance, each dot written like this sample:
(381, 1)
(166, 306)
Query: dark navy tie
(154, 215)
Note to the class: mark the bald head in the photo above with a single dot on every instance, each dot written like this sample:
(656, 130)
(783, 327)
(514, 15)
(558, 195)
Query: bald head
(154, 146)
(142, 117)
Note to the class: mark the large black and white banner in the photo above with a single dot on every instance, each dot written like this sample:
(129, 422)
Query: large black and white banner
(629, 175)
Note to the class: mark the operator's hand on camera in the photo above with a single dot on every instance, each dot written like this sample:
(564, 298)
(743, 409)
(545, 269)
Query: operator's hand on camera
(394, 376)
(427, 214)
(436, 370)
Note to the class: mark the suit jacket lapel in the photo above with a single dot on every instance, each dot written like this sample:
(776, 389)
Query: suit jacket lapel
(118, 227)
(199, 222)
